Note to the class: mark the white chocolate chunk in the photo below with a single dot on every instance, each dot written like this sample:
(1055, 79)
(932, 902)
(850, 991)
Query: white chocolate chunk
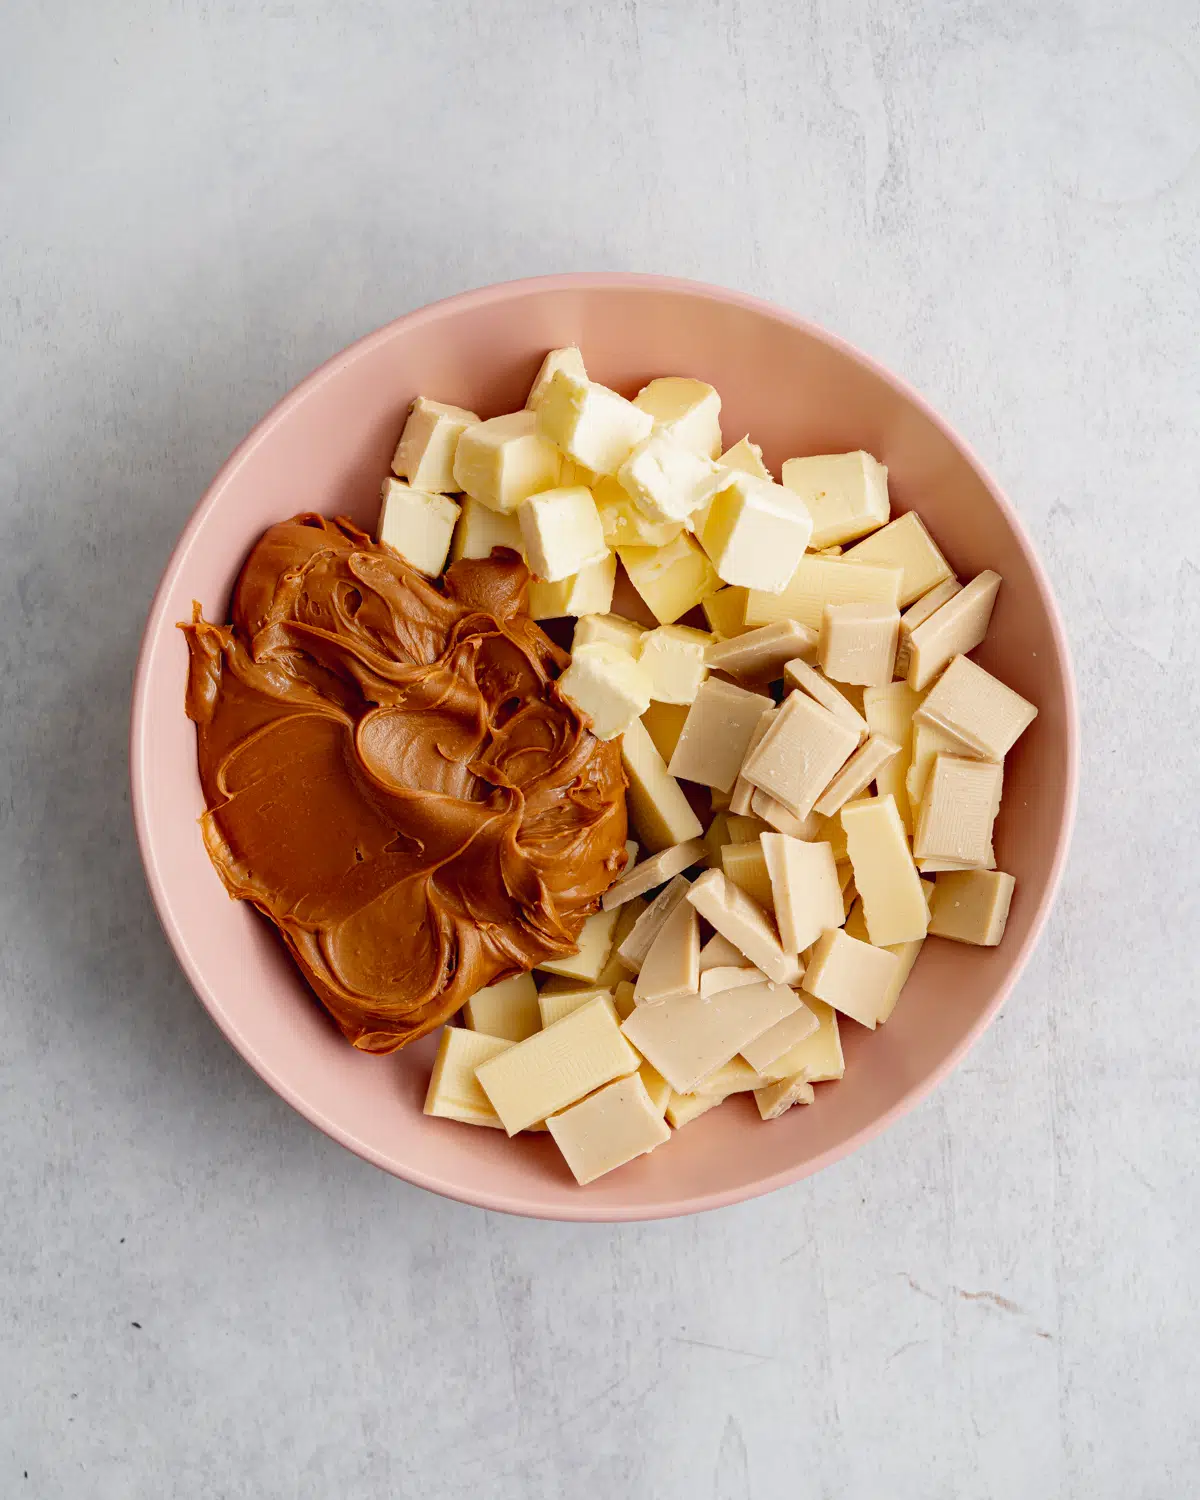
(889, 712)
(688, 410)
(590, 424)
(562, 532)
(673, 657)
(818, 581)
(972, 906)
(418, 525)
(480, 529)
(671, 967)
(594, 946)
(616, 970)
(755, 531)
(928, 743)
(664, 724)
(608, 630)
(625, 523)
(746, 457)
(954, 629)
(682, 1109)
(554, 1004)
(802, 752)
(798, 674)
(717, 979)
(668, 481)
(734, 1077)
(660, 812)
(503, 461)
(453, 1092)
(725, 611)
(958, 811)
(425, 453)
(623, 1001)
(588, 592)
(764, 806)
(657, 1087)
(890, 888)
(613, 1126)
(716, 732)
(535, 1078)
(568, 359)
(858, 643)
(906, 953)
(608, 686)
(819, 1057)
(857, 774)
(720, 953)
(746, 866)
(508, 1009)
(640, 940)
(846, 495)
(761, 655)
(744, 923)
(775, 1099)
(905, 544)
(672, 579)
(852, 976)
(743, 791)
(978, 708)
(916, 614)
(652, 872)
(806, 896)
(781, 1038)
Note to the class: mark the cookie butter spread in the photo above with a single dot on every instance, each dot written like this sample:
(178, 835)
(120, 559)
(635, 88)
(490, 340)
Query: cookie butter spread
(393, 776)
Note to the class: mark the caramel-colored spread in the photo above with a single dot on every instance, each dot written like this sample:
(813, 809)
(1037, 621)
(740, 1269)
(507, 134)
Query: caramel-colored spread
(393, 777)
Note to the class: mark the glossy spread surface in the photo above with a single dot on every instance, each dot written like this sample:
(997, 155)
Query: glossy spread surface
(393, 778)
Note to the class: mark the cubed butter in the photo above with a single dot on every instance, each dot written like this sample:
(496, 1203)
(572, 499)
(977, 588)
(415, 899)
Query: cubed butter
(668, 482)
(562, 532)
(658, 808)
(479, 529)
(608, 686)
(608, 630)
(425, 453)
(755, 532)
(508, 1009)
(845, 493)
(673, 658)
(689, 410)
(625, 523)
(418, 525)
(746, 457)
(568, 359)
(504, 460)
(671, 579)
(589, 423)
(588, 592)
(454, 1093)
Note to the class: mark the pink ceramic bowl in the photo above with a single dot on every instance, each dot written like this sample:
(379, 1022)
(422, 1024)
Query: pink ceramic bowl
(325, 448)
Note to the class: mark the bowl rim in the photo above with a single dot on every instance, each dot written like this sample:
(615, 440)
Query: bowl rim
(140, 746)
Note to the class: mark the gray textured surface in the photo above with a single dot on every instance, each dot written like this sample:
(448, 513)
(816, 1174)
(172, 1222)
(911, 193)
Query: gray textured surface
(199, 1295)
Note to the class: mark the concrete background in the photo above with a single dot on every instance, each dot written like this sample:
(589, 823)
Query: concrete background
(200, 1295)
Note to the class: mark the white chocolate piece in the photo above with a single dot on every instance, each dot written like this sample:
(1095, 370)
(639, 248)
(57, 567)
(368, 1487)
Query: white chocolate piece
(568, 359)
(608, 630)
(716, 980)
(608, 686)
(616, 970)
(625, 523)
(956, 628)
(846, 495)
(688, 410)
(857, 774)
(613, 1126)
(588, 592)
(971, 906)
(623, 1001)
(425, 454)
(658, 809)
(906, 953)
(682, 1109)
(734, 1077)
(958, 811)
(755, 531)
(554, 1004)
(454, 1093)
(782, 1037)
(798, 674)
(508, 1009)
(687, 1038)
(746, 866)
(935, 866)
(775, 1099)
(761, 655)
(744, 923)
(746, 457)
(916, 614)
(858, 643)
(673, 657)
(852, 976)
(725, 611)
(928, 743)
(720, 953)
(668, 481)
(646, 929)
(535, 1078)
(671, 967)
(656, 1086)
(716, 732)
(672, 579)
(977, 707)
(889, 712)
(664, 723)
(503, 461)
(418, 525)
(562, 533)
(819, 1057)
(806, 896)
(802, 752)
(905, 544)
(818, 581)
(594, 946)
(764, 806)
(480, 529)
(652, 872)
(590, 424)
(741, 797)
(743, 829)
(831, 831)
(893, 901)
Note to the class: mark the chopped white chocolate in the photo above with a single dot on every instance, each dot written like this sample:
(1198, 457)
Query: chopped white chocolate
(562, 532)
(508, 1009)
(819, 1057)
(672, 579)
(803, 882)
(689, 410)
(798, 674)
(673, 658)
(640, 940)
(607, 685)
(958, 811)
(884, 873)
(425, 453)
(720, 953)
(725, 611)
(532, 1079)
(857, 774)
(755, 531)
(740, 919)
(781, 1038)
(664, 724)
(588, 592)
(616, 970)
(818, 581)
(668, 481)
(716, 732)
(775, 1099)
(978, 708)
(654, 871)
(671, 967)
(916, 614)
(625, 523)
(905, 544)
(418, 525)
(906, 953)
(744, 829)
(850, 975)
(608, 630)
(746, 866)
(831, 831)
(889, 712)
(846, 494)
(611, 1127)
(746, 457)
(957, 627)
(682, 1109)
(569, 359)
(764, 806)
(935, 866)
(559, 998)
(623, 1002)
(658, 809)
(858, 642)
(589, 423)
(656, 1086)
(971, 906)
(480, 528)
(687, 1038)
(504, 460)
(453, 1092)
(734, 1077)
(761, 655)
(592, 951)
(927, 744)
(713, 981)
(742, 796)
(802, 752)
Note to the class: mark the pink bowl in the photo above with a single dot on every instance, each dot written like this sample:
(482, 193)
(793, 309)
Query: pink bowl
(325, 448)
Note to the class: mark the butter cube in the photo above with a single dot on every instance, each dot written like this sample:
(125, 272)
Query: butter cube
(588, 592)
(425, 453)
(668, 482)
(725, 611)
(568, 359)
(589, 423)
(905, 544)
(625, 523)
(689, 410)
(958, 811)
(610, 630)
(504, 460)
(760, 655)
(804, 890)
(480, 529)
(858, 643)
(658, 808)
(892, 896)
(956, 628)
(418, 525)
(671, 579)
(673, 658)
(978, 708)
(562, 532)
(454, 1093)
(801, 753)
(672, 964)
(653, 871)
(845, 493)
(818, 581)
(615, 1125)
(747, 458)
(850, 975)
(755, 533)
(716, 732)
(664, 723)
(857, 774)
(508, 1009)
(971, 906)
(607, 686)
(819, 1057)
(775, 1099)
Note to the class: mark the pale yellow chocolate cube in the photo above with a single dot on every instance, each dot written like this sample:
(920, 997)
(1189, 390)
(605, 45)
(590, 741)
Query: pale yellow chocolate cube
(858, 643)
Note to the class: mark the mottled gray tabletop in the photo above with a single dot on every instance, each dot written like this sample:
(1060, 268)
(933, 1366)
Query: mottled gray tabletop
(199, 1294)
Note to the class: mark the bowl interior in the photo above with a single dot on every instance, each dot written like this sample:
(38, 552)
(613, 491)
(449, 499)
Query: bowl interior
(325, 449)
